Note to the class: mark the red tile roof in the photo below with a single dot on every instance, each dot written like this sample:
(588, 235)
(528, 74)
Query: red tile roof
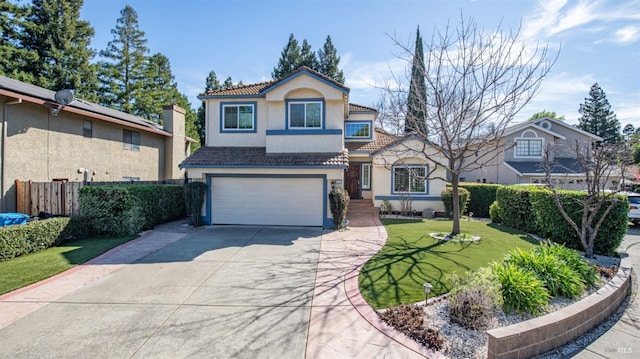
(359, 108)
(382, 139)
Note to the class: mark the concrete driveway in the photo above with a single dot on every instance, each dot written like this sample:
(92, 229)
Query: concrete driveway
(222, 292)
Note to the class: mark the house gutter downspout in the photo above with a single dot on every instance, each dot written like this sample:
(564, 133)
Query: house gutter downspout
(5, 113)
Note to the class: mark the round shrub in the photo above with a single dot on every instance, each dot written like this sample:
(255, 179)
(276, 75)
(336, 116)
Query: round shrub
(495, 213)
(339, 203)
(472, 308)
(447, 197)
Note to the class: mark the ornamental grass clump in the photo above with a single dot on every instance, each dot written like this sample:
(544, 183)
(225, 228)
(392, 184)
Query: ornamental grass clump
(556, 275)
(522, 291)
(586, 271)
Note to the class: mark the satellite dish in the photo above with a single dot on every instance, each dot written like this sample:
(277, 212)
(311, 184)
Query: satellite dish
(64, 97)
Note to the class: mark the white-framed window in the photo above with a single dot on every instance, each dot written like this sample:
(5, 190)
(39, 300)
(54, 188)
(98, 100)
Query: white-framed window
(529, 145)
(238, 117)
(366, 176)
(131, 140)
(305, 114)
(130, 179)
(354, 130)
(409, 179)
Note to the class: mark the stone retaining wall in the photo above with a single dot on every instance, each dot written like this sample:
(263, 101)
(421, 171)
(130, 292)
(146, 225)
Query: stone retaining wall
(540, 335)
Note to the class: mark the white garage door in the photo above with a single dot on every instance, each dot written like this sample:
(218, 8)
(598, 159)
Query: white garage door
(267, 201)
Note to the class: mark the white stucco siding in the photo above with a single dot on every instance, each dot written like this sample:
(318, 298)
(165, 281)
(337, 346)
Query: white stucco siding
(250, 138)
(409, 153)
(304, 81)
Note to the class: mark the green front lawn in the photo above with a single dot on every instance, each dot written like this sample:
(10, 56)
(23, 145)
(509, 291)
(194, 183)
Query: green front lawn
(411, 257)
(24, 270)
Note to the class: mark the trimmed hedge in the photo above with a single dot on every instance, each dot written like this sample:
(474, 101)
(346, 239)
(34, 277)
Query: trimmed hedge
(552, 225)
(532, 209)
(514, 208)
(482, 196)
(38, 235)
(129, 209)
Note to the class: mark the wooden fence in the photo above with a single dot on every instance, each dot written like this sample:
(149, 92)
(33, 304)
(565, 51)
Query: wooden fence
(59, 198)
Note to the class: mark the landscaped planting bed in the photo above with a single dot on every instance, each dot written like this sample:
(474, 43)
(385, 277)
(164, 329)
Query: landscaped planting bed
(527, 282)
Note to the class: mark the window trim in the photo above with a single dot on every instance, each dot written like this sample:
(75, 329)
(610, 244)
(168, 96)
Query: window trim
(533, 137)
(131, 145)
(288, 104)
(253, 104)
(366, 174)
(409, 166)
(368, 123)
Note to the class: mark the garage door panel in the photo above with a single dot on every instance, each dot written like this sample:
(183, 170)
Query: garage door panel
(267, 201)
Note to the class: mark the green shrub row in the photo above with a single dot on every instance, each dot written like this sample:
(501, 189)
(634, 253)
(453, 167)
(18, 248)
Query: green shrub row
(533, 210)
(482, 196)
(38, 235)
(126, 210)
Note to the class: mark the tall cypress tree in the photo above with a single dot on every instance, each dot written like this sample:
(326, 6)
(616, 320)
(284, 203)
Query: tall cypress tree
(121, 74)
(417, 99)
(597, 117)
(290, 59)
(13, 56)
(53, 30)
(328, 61)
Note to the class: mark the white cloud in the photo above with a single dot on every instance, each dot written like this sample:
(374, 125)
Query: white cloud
(627, 35)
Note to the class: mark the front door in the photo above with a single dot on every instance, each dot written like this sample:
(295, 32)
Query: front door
(353, 181)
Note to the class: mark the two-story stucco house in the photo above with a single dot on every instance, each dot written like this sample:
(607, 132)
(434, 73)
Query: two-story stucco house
(523, 150)
(44, 140)
(274, 150)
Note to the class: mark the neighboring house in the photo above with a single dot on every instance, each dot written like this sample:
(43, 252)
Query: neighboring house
(44, 141)
(274, 151)
(522, 155)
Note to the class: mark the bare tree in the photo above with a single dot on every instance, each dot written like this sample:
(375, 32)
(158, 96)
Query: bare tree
(602, 166)
(476, 83)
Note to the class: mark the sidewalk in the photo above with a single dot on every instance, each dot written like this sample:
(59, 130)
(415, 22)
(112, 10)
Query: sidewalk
(623, 339)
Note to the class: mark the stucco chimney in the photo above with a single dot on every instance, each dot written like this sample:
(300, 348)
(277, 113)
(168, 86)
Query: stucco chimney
(175, 147)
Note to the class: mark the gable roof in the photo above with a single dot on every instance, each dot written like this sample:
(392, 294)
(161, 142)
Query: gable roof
(259, 89)
(39, 95)
(257, 157)
(512, 129)
(354, 108)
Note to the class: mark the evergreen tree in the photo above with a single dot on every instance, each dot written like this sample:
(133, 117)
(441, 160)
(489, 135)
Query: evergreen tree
(328, 61)
(13, 56)
(211, 84)
(308, 57)
(597, 117)
(228, 83)
(158, 88)
(290, 59)
(53, 30)
(545, 113)
(417, 98)
(121, 75)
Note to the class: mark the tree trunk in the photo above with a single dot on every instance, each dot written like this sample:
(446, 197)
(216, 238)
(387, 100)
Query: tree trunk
(456, 205)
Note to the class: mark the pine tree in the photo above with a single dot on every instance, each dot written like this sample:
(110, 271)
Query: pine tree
(308, 57)
(158, 88)
(121, 75)
(328, 61)
(53, 30)
(417, 98)
(290, 59)
(211, 84)
(13, 56)
(228, 83)
(597, 117)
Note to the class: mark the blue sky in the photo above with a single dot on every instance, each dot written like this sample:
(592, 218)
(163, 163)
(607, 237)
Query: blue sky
(599, 41)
